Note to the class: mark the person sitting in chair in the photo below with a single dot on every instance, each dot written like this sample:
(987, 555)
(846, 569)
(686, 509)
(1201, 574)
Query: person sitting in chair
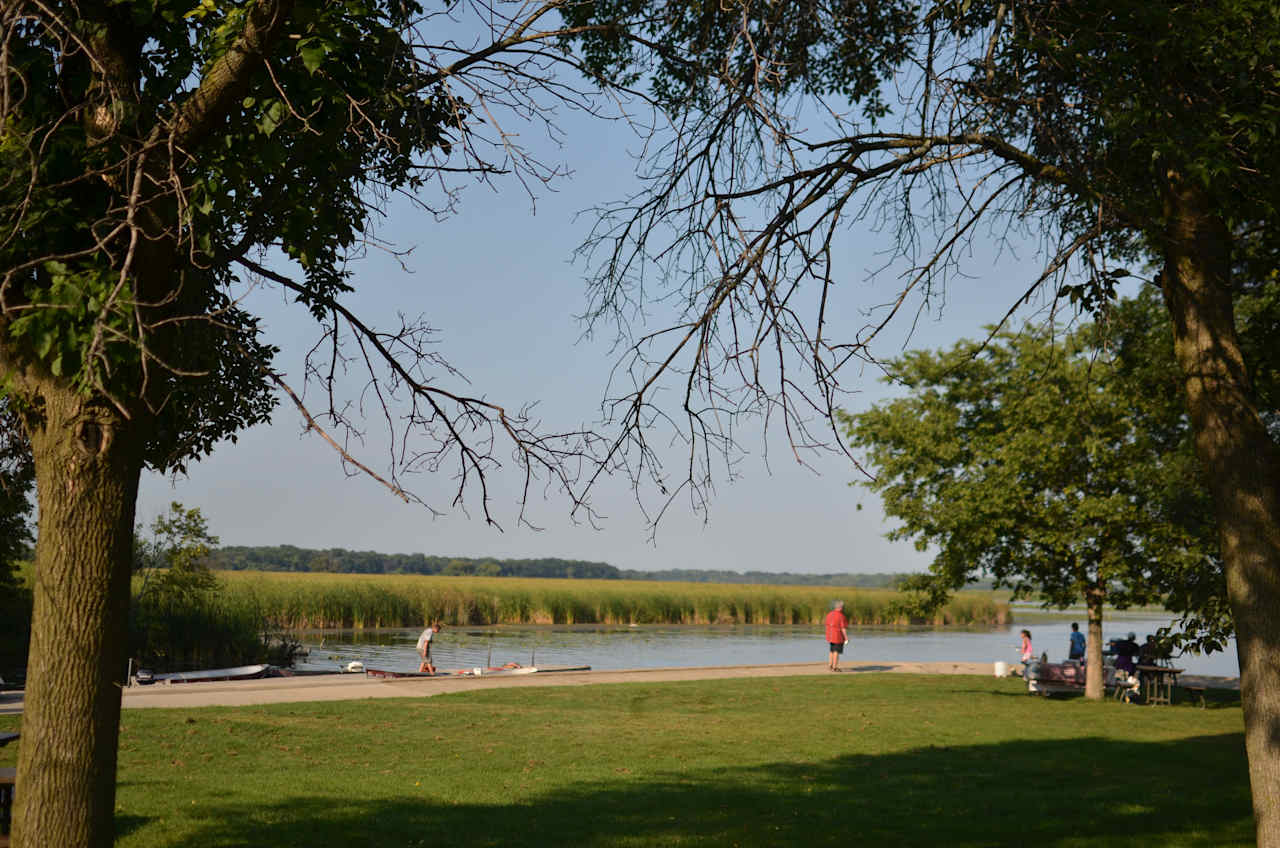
(1124, 651)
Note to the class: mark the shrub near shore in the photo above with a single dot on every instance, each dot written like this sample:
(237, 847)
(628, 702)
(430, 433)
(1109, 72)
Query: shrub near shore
(312, 601)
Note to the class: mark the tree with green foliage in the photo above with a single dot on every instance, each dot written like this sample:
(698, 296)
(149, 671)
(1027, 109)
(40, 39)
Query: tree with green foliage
(1112, 134)
(176, 557)
(1031, 460)
(162, 158)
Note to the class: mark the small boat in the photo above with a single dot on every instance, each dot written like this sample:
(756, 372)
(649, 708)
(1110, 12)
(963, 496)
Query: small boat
(241, 672)
(548, 669)
(508, 670)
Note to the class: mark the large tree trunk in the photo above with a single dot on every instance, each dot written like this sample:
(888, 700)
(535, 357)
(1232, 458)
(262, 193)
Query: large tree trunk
(1094, 685)
(1240, 467)
(87, 468)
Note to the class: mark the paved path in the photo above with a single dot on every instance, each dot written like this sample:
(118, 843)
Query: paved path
(347, 687)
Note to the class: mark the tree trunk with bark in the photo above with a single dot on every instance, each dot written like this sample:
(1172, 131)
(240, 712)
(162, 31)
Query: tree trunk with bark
(88, 462)
(1095, 686)
(1240, 466)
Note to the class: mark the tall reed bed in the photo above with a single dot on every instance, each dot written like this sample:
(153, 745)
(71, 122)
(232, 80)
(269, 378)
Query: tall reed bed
(178, 628)
(311, 600)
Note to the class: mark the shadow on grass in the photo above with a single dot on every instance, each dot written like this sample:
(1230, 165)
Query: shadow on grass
(1214, 699)
(1078, 792)
(126, 825)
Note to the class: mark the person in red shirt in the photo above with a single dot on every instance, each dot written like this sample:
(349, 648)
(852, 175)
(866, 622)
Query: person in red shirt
(837, 633)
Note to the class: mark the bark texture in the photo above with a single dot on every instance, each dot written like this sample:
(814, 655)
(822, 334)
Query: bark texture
(1095, 686)
(87, 470)
(1241, 469)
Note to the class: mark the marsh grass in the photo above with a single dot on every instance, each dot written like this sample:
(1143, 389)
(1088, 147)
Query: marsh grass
(206, 630)
(312, 600)
(862, 759)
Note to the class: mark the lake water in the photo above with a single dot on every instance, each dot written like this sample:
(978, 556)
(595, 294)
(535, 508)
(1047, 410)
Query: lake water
(613, 647)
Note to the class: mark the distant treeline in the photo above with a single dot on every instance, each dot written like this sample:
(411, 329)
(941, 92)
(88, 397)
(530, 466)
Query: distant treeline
(338, 560)
(780, 578)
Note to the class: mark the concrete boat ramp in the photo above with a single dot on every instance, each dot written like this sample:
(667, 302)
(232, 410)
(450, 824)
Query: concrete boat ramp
(346, 687)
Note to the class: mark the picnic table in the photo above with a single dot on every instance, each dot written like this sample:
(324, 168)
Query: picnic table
(1158, 682)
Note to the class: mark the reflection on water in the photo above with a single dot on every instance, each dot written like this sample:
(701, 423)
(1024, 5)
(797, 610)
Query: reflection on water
(611, 647)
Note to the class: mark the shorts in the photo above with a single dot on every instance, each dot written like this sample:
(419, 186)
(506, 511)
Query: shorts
(837, 647)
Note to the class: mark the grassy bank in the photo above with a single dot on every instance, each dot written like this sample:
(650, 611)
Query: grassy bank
(311, 600)
(839, 759)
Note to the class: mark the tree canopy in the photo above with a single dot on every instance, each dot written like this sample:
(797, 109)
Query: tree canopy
(1066, 125)
(161, 159)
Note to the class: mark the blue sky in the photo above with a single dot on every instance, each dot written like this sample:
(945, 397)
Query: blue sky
(496, 280)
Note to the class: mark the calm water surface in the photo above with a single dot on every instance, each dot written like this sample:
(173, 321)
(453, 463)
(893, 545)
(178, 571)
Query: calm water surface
(612, 647)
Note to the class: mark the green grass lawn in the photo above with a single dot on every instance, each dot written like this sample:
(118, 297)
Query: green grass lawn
(865, 759)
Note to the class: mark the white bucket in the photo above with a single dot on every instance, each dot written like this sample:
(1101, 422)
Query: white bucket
(1002, 669)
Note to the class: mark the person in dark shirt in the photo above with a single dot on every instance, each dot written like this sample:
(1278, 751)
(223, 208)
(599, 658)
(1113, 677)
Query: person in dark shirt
(1152, 652)
(1124, 650)
(1075, 650)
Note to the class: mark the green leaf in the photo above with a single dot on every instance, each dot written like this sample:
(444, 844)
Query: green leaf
(313, 52)
(205, 7)
(44, 344)
(272, 117)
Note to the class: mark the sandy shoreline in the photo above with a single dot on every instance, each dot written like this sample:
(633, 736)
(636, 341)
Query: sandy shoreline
(344, 687)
